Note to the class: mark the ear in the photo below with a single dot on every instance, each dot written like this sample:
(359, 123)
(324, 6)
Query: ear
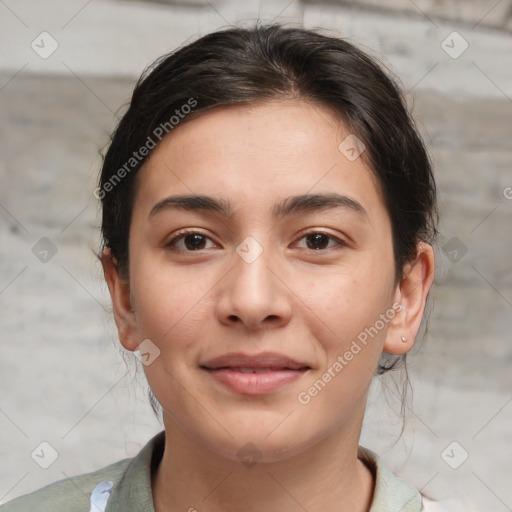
(411, 293)
(123, 311)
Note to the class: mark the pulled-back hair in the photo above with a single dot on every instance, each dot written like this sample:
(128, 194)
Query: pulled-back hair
(240, 66)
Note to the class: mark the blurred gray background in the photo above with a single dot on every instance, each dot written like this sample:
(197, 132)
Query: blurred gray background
(66, 67)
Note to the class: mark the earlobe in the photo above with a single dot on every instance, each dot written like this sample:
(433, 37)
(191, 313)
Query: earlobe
(412, 294)
(120, 293)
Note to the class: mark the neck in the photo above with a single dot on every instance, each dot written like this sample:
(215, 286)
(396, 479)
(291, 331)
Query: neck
(327, 477)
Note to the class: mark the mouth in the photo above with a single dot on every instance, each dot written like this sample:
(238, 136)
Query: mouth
(264, 361)
(262, 373)
(258, 370)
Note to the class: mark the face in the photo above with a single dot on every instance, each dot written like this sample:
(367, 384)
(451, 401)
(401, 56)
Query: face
(264, 312)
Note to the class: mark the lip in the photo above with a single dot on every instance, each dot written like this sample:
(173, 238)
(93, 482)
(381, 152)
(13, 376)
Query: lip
(255, 374)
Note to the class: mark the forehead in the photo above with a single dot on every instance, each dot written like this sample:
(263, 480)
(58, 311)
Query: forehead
(255, 155)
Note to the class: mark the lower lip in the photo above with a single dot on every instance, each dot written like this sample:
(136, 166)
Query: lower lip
(255, 383)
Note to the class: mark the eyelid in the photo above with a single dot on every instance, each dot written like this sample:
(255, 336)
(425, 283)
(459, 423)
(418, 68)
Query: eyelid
(339, 241)
(177, 237)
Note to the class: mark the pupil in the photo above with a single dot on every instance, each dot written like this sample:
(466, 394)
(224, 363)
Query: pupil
(320, 241)
(319, 238)
(194, 241)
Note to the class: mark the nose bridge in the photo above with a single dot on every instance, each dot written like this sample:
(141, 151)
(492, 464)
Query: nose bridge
(252, 292)
(251, 268)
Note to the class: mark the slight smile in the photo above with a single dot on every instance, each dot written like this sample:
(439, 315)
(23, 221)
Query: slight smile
(254, 374)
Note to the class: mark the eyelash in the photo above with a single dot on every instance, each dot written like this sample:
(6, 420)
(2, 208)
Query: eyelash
(180, 236)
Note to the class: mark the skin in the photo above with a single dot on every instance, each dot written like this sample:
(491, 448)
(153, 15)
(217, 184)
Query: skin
(306, 303)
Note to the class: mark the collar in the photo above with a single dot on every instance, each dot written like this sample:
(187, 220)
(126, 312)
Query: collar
(390, 492)
(133, 490)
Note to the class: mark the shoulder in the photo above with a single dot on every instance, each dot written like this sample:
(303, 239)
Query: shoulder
(392, 494)
(70, 494)
(124, 485)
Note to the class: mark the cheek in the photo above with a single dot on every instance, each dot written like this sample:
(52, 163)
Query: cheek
(343, 314)
(343, 303)
(172, 307)
(171, 302)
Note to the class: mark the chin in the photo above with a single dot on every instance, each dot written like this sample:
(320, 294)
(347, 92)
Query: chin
(255, 445)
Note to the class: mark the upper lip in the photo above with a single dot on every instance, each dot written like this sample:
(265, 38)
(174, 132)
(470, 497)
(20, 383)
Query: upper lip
(271, 360)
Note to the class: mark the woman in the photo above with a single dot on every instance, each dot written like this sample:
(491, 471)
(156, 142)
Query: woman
(269, 212)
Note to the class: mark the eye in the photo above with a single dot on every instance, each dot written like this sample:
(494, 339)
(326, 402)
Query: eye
(193, 241)
(317, 240)
(189, 240)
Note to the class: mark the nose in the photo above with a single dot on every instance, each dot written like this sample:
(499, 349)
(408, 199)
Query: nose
(254, 294)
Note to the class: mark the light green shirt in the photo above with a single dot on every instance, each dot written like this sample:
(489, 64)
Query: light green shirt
(126, 486)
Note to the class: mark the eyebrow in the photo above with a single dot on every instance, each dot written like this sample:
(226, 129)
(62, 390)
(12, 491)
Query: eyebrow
(290, 206)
